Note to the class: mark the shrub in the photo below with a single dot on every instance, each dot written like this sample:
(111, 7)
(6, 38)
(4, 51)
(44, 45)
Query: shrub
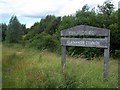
(43, 41)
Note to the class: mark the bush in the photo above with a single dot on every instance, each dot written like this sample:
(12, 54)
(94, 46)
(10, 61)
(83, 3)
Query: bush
(88, 53)
(116, 55)
(43, 41)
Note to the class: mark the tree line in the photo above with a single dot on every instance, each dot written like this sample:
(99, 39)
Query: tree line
(46, 33)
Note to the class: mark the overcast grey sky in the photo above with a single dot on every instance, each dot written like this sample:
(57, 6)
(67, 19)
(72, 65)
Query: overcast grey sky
(31, 11)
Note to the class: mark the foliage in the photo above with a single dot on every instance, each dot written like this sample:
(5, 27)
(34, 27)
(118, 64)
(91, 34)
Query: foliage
(42, 35)
(67, 22)
(85, 16)
(46, 33)
(14, 31)
(25, 31)
(4, 28)
(116, 55)
(107, 8)
(115, 32)
(29, 68)
(43, 41)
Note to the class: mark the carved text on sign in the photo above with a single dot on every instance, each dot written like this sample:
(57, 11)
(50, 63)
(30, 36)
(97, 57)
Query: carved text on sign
(86, 42)
(82, 32)
(83, 43)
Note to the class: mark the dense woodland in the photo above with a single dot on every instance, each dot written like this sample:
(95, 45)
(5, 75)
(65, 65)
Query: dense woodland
(45, 35)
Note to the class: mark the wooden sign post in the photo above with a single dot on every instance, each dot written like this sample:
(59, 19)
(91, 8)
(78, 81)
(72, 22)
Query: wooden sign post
(83, 30)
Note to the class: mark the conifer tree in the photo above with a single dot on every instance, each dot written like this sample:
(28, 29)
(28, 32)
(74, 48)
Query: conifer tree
(14, 31)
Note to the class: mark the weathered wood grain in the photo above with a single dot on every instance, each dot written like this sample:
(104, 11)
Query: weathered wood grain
(106, 58)
(85, 42)
(63, 58)
(83, 30)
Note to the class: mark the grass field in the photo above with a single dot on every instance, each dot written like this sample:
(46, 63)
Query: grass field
(0, 65)
(28, 68)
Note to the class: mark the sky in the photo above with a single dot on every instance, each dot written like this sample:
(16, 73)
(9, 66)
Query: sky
(31, 11)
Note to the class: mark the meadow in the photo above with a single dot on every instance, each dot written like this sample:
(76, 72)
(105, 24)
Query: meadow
(0, 65)
(29, 68)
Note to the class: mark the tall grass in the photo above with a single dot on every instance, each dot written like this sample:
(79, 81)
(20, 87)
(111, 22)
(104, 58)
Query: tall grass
(0, 65)
(25, 68)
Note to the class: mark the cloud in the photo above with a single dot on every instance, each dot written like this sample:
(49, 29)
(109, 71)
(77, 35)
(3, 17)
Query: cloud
(38, 7)
(119, 5)
(31, 7)
(41, 8)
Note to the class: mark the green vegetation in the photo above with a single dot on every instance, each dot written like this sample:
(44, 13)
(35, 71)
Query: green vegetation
(25, 67)
(0, 65)
(32, 56)
(46, 33)
(14, 31)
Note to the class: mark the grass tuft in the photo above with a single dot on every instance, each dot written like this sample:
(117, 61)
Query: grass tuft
(23, 68)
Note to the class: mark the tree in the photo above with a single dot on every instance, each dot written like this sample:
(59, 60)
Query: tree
(67, 22)
(115, 32)
(85, 8)
(50, 24)
(4, 28)
(85, 16)
(106, 10)
(14, 31)
(24, 29)
(46, 33)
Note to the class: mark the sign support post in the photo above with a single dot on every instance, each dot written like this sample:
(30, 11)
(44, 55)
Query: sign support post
(83, 30)
(63, 58)
(106, 58)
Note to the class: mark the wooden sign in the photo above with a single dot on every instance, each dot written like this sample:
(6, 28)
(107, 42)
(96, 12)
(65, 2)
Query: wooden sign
(85, 42)
(83, 30)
